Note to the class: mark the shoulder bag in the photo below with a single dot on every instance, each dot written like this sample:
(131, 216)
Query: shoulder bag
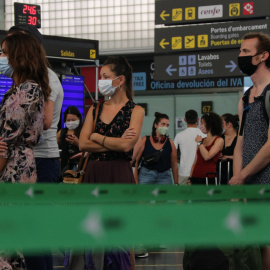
(72, 177)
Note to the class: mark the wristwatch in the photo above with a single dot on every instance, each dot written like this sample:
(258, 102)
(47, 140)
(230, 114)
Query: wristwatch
(199, 143)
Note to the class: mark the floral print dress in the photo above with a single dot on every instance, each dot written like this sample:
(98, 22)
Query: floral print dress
(21, 123)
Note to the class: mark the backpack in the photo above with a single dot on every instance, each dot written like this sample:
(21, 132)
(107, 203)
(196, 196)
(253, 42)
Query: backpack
(245, 99)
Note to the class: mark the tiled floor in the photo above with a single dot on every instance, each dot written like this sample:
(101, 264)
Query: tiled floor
(159, 259)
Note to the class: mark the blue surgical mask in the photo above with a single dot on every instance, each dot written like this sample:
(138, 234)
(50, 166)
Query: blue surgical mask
(105, 87)
(5, 68)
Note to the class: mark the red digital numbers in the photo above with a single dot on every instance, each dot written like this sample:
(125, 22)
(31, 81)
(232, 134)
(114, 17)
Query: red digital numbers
(29, 9)
(32, 20)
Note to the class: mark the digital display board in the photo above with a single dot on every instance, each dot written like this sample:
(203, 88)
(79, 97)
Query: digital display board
(5, 84)
(73, 87)
(27, 14)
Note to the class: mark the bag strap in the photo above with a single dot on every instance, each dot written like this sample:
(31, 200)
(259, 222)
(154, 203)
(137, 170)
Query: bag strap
(246, 108)
(83, 153)
(267, 101)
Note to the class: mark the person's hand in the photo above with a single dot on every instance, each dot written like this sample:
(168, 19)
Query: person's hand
(3, 145)
(129, 133)
(198, 138)
(236, 180)
(73, 139)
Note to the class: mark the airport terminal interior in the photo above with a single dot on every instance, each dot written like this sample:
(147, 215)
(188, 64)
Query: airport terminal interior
(183, 54)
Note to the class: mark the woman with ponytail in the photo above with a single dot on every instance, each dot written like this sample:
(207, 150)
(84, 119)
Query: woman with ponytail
(158, 155)
(209, 149)
(118, 127)
(230, 130)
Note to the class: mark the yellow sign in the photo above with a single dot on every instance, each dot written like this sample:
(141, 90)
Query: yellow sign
(190, 13)
(189, 42)
(177, 14)
(234, 10)
(176, 43)
(93, 54)
(202, 41)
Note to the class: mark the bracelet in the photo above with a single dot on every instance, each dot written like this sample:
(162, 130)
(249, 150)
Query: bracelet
(103, 140)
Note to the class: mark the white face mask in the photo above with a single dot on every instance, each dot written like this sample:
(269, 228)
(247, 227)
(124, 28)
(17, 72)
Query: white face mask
(5, 68)
(163, 130)
(72, 124)
(105, 87)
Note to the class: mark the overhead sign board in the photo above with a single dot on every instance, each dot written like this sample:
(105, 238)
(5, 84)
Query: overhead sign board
(197, 65)
(171, 12)
(206, 36)
(74, 49)
(70, 48)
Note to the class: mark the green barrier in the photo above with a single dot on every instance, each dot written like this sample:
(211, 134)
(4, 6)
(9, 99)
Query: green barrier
(41, 217)
(89, 194)
(38, 228)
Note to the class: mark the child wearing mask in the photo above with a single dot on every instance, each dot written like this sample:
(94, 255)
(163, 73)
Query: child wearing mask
(68, 138)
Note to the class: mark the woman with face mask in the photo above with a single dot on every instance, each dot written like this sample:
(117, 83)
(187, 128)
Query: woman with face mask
(68, 138)
(230, 130)
(158, 155)
(118, 128)
(209, 149)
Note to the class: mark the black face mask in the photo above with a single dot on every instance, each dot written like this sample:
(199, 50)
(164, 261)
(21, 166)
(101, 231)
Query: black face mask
(245, 64)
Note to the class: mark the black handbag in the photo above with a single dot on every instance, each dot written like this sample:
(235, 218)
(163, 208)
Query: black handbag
(152, 158)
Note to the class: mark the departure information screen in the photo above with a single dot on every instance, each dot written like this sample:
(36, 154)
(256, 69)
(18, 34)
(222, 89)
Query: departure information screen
(5, 84)
(73, 87)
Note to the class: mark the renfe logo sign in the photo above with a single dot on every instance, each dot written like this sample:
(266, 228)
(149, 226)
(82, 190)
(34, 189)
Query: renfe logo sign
(206, 12)
(248, 8)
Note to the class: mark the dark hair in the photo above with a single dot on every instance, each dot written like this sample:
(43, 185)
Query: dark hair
(74, 110)
(120, 66)
(213, 123)
(31, 29)
(158, 117)
(263, 43)
(28, 60)
(191, 117)
(233, 119)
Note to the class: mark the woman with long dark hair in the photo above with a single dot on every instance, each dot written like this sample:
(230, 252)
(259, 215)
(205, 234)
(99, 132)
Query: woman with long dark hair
(68, 138)
(158, 155)
(230, 130)
(22, 108)
(118, 127)
(209, 149)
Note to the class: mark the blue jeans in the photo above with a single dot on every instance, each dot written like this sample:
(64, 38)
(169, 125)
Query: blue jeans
(154, 177)
(48, 171)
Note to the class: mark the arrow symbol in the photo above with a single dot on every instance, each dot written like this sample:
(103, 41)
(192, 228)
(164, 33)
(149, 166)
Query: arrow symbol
(211, 192)
(163, 15)
(232, 66)
(30, 192)
(233, 222)
(155, 192)
(162, 43)
(93, 225)
(169, 69)
(95, 192)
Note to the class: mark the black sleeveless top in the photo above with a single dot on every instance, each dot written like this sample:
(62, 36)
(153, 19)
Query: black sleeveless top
(164, 163)
(115, 129)
(68, 150)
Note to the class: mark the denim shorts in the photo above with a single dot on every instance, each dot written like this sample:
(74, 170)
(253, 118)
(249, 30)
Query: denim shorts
(154, 177)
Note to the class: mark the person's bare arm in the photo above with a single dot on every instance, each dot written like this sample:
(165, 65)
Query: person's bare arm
(174, 163)
(49, 105)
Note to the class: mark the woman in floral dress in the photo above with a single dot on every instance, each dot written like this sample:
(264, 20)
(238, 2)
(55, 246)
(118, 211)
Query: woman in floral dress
(22, 108)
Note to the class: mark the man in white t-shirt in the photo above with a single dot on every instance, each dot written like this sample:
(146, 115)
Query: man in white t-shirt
(185, 140)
